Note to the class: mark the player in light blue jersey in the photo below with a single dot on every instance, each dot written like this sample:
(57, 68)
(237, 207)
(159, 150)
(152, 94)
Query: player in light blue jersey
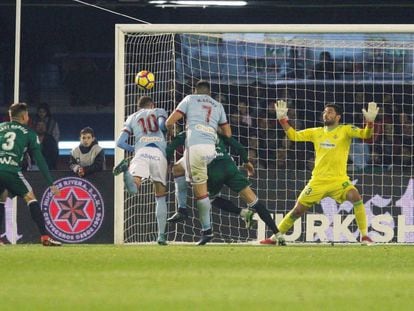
(147, 126)
(204, 116)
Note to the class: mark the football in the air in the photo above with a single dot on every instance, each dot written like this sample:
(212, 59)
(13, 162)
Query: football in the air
(145, 79)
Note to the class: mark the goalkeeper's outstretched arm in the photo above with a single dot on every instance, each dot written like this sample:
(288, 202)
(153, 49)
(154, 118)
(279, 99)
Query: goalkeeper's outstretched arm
(291, 133)
(370, 114)
(281, 114)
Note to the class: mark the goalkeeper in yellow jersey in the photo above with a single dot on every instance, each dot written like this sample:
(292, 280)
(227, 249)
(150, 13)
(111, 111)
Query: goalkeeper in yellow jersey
(329, 176)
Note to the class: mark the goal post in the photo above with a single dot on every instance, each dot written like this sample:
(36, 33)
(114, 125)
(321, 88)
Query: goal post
(119, 119)
(249, 68)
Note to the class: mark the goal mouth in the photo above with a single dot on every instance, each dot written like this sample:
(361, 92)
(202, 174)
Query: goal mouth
(249, 68)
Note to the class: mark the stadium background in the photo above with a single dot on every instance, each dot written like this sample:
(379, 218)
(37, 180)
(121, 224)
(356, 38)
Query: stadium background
(61, 39)
(67, 49)
(107, 277)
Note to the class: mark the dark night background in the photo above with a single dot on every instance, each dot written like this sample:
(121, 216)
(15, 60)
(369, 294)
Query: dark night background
(66, 35)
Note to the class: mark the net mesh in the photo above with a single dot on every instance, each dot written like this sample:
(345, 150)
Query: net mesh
(248, 73)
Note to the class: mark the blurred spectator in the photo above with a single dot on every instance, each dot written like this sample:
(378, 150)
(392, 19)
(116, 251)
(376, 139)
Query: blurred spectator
(240, 122)
(295, 64)
(43, 114)
(253, 142)
(286, 155)
(244, 118)
(407, 158)
(324, 69)
(359, 154)
(293, 120)
(407, 141)
(49, 146)
(405, 124)
(386, 150)
(281, 158)
(88, 157)
(252, 154)
(257, 99)
(267, 140)
(253, 157)
(223, 100)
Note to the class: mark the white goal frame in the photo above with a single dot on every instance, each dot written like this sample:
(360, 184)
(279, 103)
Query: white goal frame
(122, 29)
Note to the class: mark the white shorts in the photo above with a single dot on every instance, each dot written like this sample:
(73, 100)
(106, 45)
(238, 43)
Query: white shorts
(149, 162)
(197, 158)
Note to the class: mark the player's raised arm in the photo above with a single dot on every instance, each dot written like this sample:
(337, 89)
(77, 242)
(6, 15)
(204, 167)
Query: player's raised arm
(178, 141)
(171, 120)
(225, 130)
(281, 114)
(370, 114)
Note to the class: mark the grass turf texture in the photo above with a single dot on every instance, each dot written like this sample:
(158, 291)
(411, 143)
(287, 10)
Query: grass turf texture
(227, 277)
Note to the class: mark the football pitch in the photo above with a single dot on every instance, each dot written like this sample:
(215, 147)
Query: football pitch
(213, 277)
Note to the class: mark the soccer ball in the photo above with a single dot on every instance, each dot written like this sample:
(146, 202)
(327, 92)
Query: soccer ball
(145, 80)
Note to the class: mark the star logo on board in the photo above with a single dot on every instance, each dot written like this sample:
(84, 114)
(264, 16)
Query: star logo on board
(72, 209)
(77, 213)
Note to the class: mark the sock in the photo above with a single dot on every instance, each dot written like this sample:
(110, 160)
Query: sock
(225, 205)
(287, 222)
(2, 216)
(130, 183)
(204, 208)
(161, 212)
(265, 215)
(181, 191)
(361, 217)
(37, 216)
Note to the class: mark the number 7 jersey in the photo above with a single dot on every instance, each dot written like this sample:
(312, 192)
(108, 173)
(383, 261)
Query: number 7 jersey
(144, 125)
(203, 116)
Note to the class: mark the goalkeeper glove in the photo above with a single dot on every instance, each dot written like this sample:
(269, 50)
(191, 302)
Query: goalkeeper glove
(281, 110)
(371, 113)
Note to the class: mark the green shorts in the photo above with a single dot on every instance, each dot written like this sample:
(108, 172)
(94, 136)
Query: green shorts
(225, 172)
(14, 183)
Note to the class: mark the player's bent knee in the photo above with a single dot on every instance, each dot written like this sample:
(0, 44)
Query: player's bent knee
(160, 189)
(353, 196)
(178, 170)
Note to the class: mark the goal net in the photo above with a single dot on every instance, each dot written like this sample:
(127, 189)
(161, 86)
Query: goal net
(249, 68)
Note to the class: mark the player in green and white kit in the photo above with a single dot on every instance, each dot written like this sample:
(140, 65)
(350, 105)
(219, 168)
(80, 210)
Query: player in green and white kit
(221, 171)
(15, 139)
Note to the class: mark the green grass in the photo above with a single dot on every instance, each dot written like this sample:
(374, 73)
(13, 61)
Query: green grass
(228, 277)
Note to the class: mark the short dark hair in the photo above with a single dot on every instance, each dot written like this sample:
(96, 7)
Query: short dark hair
(339, 111)
(145, 102)
(87, 130)
(17, 109)
(203, 87)
(45, 107)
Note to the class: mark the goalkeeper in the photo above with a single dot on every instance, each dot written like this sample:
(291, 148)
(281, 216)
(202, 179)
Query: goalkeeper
(221, 171)
(329, 176)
